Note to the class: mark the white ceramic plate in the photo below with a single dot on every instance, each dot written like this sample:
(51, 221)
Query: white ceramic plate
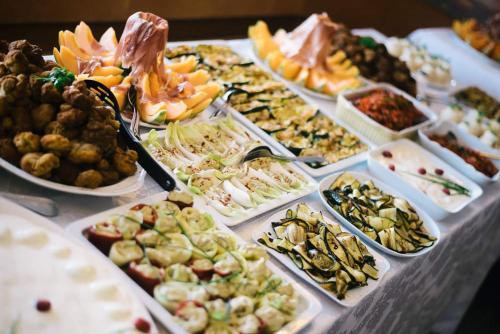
(429, 224)
(125, 186)
(253, 212)
(433, 209)
(352, 296)
(452, 158)
(308, 306)
(64, 250)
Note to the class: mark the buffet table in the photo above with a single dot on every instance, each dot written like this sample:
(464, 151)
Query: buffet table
(425, 293)
(417, 293)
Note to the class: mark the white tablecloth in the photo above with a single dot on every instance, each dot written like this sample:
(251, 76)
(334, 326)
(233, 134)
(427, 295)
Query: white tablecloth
(418, 294)
(412, 296)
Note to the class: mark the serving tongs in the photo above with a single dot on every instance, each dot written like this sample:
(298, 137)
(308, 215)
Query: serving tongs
(131, 134)
(265, 152)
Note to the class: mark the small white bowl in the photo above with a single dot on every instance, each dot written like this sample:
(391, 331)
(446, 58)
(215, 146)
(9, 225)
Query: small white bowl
(370, 128)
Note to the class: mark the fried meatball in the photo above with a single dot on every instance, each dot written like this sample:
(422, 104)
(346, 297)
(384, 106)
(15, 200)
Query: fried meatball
(27, 142)
(101, 134)
(50, 94)
(109, 174)
(31, 51)
(71, 117)
(67, 172)
(8, 151)
(78, 96)
(125, 162)
(39, 164)
(57, 128)
(85, 153)
(89, 179)
(22, 120)
(16, 62)
(42, 115)
(56, 144)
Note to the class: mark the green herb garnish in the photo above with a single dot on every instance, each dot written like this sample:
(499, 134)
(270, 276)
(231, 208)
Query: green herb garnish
(367, 42)
(60, 77)
(446, 183)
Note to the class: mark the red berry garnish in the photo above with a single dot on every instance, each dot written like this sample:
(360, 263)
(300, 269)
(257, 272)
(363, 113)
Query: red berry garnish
(142, 325)
(392, 167)
(446, 191)
(422, 171)
(387, 154)
(439, 171)
(43, 305)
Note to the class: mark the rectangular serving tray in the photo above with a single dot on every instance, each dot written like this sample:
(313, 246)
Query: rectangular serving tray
(428, 222)
(452, 158)
(253, 212)
(353, 296)
(416, 195)
(308, 306)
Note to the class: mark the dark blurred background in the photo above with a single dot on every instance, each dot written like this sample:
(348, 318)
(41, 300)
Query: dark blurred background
(40, 21)
(204, 19)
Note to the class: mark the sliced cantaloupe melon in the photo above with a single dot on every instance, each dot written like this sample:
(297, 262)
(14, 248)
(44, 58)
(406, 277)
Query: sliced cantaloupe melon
(120, 91)
(86, 41)
(338, 57)
(71, 43)
(289, 69)
(352, 71)
(108, 40)
(184, 66)
(199, 107)
(301, 78)
(68, 60)
(199, 77)
(174, 110)
(107, 70)
(154, 84)
(274, 59)
(195, 99)
(265, 46)
(57, 56)
(334, 88)
(212, 89)
(316, 81)
(108, 80)
(259, 30)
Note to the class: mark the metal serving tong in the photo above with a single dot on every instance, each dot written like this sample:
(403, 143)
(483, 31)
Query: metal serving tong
(131, 135)
(265, 152)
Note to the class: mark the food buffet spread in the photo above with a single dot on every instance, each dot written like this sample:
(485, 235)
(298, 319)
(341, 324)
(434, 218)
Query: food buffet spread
(199, 111)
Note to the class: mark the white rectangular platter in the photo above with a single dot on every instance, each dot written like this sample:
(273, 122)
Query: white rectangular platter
(452, 158)
(432, 208)
(308, 306)
(353, 296)
(251, 212)
(429, 224)
(28, 228)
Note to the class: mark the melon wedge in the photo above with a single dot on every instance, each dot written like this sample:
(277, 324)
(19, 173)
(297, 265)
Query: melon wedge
(185, 66)
(265, 46)
(195, 99)
(108, 80)
(108, 40)
(259, 30)
(199, 77)
(212, 89)
(289, 69)
(274, 59)
(68, 60)
(107, 70)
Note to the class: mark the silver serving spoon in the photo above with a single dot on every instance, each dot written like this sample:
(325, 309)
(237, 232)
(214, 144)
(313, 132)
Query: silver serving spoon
(265, 152)
(41, 205)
